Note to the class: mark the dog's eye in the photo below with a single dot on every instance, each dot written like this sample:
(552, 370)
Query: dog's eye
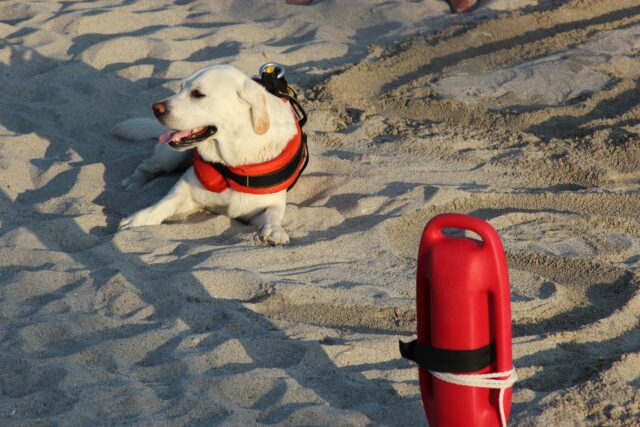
(197, 94)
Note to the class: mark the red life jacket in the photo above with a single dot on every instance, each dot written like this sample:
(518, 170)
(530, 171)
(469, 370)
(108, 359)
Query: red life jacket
(273, 176)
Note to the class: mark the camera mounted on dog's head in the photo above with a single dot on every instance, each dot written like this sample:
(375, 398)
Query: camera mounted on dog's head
(272, 79)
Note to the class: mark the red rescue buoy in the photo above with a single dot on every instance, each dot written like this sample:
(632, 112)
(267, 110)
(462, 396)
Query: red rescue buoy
(464, 325)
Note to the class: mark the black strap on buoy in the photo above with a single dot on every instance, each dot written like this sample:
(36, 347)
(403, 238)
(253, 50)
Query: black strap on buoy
(442, 360)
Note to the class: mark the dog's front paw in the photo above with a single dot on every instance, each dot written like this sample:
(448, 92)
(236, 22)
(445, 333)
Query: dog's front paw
(126, 223)
(129, 184)
(136, 180)
(273, 234)
(138, 219)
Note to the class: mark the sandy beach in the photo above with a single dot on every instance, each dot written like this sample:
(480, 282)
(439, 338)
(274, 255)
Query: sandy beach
(525, 113)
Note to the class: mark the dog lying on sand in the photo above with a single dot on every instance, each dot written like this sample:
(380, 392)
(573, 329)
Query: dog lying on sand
(245, 145)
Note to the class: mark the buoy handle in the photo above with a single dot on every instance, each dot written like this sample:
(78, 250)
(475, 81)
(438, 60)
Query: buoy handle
(433, 230)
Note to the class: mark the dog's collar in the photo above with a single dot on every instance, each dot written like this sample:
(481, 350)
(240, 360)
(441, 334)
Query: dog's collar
(273, 176)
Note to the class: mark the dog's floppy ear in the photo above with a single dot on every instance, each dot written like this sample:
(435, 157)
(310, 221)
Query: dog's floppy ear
(256, 96)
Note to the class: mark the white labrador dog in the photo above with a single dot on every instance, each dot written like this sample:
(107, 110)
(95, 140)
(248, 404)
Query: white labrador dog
(230, 119)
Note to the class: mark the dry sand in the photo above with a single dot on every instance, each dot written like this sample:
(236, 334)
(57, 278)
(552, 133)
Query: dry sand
(525, 113)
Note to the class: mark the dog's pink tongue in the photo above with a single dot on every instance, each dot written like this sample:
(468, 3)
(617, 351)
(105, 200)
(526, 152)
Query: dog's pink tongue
(165, 138)
(173, 135)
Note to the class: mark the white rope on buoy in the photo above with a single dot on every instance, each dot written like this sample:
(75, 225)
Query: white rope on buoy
(493, 380)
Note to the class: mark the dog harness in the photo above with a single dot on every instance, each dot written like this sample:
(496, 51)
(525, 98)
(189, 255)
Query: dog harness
(275, 175)
(280, 173)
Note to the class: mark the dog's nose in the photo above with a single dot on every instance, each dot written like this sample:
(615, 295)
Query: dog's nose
(159, 108)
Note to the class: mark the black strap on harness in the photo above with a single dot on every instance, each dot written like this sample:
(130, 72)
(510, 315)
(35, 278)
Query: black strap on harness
(442, 360)
(270, 179)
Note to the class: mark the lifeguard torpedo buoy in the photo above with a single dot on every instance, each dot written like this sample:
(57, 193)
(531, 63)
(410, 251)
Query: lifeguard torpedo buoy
(464, 325)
